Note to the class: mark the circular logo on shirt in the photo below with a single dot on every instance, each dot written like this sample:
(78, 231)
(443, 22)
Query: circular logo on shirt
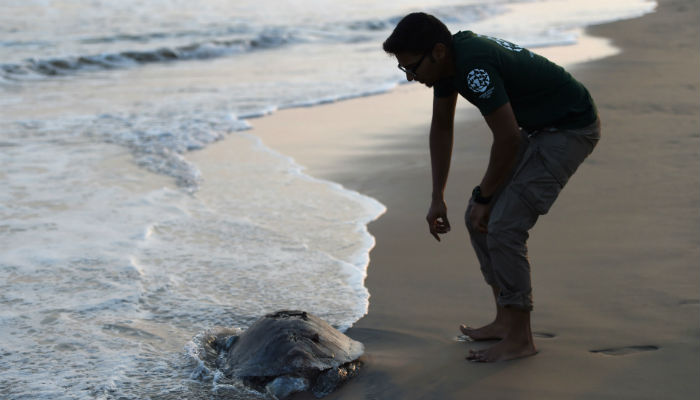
(478, 80)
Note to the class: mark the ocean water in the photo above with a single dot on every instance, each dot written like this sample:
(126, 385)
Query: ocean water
(112, 263)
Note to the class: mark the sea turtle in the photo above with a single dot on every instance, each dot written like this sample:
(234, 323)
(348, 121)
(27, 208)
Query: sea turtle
(286, 352)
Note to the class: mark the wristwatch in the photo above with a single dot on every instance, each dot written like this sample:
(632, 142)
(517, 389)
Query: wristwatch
(478, 198)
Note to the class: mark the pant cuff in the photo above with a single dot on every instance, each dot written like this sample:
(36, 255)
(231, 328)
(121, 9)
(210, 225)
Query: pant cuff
(521, 301)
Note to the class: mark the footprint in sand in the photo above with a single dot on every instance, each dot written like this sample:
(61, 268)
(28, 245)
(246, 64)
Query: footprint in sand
(543, 335)
(625, 350)
(689, 302)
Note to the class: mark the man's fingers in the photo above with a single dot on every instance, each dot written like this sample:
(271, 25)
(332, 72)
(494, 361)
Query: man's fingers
(479, 222)
(433, 228)
(436, 227)
(482, 226)
(437, 223)
(439, 226)
(443, 223)
(442, 228)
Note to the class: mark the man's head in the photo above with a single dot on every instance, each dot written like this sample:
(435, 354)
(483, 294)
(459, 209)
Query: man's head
(422, 44)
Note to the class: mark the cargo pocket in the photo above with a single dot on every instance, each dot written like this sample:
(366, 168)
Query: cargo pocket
(539, 182)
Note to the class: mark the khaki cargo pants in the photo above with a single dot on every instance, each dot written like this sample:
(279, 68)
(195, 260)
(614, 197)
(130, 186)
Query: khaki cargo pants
(547, 159)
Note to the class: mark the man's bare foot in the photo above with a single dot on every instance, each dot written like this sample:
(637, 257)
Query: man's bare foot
(517, 339)
(492, 331)
(505, 350)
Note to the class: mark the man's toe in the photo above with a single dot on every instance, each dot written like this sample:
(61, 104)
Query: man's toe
(475, 355)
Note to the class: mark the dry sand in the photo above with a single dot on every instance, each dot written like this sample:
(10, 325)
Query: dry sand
(615, 262)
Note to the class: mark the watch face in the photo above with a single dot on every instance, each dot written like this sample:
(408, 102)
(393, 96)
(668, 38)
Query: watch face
(478, 198)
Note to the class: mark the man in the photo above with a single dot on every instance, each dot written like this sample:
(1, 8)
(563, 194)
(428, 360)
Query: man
(544, 124)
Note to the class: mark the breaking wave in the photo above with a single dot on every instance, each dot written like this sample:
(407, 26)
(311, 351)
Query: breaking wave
(206, 44)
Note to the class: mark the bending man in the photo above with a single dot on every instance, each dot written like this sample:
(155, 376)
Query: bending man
(544, 124)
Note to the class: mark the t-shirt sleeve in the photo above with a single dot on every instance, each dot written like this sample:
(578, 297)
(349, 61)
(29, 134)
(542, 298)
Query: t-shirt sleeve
(484, 87)
(443, 88)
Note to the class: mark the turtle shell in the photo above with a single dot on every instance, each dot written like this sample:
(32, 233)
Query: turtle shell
(293, 343)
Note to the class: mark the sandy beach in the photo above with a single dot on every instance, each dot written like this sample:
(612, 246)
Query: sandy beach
(615, 262)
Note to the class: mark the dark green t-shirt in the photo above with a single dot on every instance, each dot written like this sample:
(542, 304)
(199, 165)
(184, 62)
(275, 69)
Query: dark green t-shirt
(491, 72)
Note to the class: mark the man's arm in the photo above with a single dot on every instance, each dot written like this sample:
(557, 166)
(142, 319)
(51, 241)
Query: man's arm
(441, 139)
(504, 152)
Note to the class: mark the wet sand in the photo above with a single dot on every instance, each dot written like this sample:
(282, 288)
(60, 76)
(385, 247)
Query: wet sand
(615, 262)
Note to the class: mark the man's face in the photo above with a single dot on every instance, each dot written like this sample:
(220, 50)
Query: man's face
(419, 67)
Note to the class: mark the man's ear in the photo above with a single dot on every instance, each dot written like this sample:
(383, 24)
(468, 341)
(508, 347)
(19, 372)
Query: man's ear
(439, 51)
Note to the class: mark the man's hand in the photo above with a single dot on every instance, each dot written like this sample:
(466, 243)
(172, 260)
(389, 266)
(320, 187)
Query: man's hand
(479, 216)
(437, 219)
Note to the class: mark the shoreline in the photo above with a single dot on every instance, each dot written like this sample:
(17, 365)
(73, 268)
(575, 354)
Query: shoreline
(615, 279)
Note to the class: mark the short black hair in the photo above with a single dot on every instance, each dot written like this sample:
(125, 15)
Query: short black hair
(417, 33)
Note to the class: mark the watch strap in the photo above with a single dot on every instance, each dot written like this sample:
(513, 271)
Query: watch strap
(478, 198)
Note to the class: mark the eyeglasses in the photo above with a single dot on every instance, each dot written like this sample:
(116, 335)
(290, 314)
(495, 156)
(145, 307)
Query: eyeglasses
(411, 70)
